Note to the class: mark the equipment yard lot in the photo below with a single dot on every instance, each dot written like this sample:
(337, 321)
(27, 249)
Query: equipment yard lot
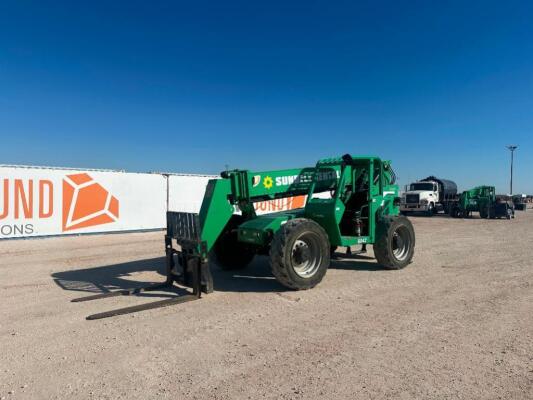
(456, 323)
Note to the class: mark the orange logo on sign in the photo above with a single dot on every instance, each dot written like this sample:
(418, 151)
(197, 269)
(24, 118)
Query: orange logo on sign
(86, 203)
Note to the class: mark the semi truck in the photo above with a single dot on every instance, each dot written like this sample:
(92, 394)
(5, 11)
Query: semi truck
(429, 196)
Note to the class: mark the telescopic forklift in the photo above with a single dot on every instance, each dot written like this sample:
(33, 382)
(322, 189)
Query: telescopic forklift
(350, 200)
(483, 200)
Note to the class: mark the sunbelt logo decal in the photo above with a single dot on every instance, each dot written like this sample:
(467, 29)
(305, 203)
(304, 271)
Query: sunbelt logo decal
(287, 180)
(268, 182)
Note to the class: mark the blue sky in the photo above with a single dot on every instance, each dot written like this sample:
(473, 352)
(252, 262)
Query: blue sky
(437, 87)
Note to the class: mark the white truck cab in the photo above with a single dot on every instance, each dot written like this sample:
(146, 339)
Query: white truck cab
(430, 196)
(421, 197)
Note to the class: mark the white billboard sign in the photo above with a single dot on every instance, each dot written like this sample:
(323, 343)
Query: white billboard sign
(186, 192)
(40, 201)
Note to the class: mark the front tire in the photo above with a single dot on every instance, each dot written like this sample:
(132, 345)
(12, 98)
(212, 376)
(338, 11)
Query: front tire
(300, 254)
(395, 242)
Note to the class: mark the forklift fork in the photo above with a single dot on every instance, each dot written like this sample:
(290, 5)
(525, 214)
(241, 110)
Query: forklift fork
(193, 272)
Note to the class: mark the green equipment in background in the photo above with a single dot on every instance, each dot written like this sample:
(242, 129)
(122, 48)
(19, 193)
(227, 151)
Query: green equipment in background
(480, 199)
(519, 202)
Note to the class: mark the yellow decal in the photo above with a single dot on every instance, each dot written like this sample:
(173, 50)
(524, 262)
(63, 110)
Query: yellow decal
(267, 182)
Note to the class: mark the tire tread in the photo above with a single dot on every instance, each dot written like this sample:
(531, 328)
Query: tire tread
(381, 246)
(278, 251)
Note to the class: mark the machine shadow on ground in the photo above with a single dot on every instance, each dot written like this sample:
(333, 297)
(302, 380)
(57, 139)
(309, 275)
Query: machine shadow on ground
(107, 278)
(356, 262)
(255, 278)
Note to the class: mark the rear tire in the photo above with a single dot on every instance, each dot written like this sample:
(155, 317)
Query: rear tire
(452, 211)
(230, 254)
(300, 254)
(395, 242)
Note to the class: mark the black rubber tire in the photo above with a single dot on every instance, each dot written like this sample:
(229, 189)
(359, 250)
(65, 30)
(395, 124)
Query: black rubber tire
(281, 260)
(484, 212)
(383, 248)
(452, 211)
(431, 210)
(229, 253)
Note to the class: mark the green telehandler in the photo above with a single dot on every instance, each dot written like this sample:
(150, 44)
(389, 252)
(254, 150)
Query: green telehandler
(350, 200)
(480, 199)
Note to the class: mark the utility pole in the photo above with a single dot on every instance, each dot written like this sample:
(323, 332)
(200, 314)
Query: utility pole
(512, 148)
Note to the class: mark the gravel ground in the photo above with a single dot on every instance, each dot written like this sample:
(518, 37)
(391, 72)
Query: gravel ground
(457, 323)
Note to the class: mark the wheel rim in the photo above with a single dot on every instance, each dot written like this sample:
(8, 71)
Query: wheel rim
(401, 243)
(305, 255)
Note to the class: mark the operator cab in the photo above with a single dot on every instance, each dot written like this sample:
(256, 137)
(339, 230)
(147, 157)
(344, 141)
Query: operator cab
(346, 215)
(355, 221)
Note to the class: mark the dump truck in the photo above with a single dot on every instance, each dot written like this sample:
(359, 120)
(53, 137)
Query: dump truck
(429, 196)
(480, 199)
(351, 200)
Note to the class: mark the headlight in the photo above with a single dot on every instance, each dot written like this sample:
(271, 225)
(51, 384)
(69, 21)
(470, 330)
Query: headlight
(423, 201)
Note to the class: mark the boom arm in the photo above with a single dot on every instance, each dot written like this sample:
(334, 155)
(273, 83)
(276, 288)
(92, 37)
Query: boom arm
(242, 188)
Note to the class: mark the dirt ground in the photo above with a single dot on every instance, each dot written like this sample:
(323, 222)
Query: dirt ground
(455, 324)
